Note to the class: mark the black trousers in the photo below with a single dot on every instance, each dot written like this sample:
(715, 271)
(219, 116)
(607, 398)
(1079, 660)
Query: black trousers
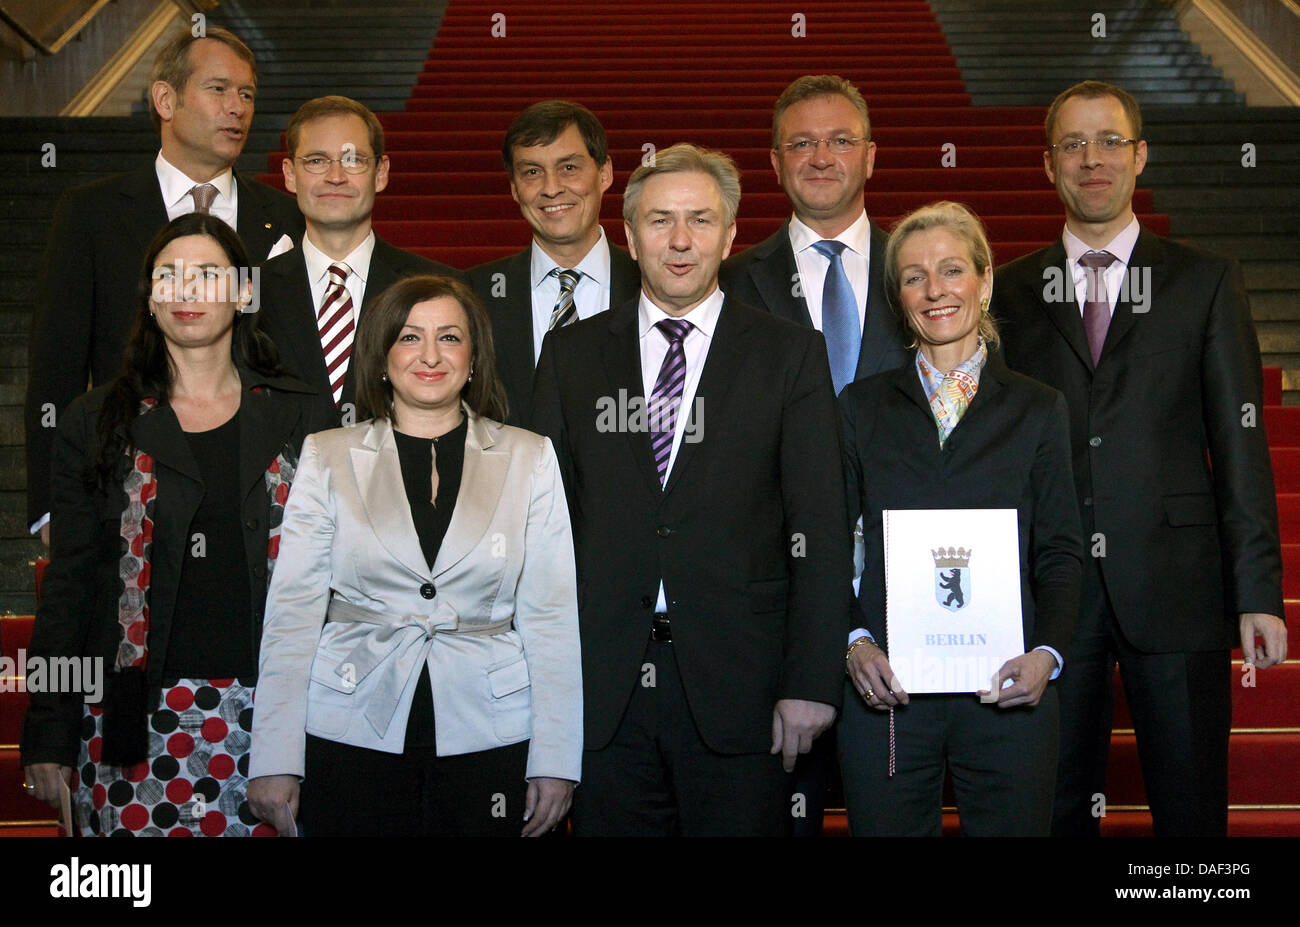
(1003, 763)
(357, 792)
(658, 778)
(1181, 704)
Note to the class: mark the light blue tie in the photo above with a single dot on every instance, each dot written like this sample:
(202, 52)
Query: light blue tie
(839, 317)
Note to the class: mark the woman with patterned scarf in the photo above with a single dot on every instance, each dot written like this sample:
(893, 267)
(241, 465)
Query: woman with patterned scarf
(168, 485)
(955, 429)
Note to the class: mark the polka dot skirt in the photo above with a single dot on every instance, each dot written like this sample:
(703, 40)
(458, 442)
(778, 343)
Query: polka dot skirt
(194, 782)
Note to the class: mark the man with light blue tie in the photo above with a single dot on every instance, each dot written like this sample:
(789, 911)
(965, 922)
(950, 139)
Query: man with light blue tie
(822, 269)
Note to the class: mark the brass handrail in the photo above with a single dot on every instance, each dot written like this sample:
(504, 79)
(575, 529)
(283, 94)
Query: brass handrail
(68, 36)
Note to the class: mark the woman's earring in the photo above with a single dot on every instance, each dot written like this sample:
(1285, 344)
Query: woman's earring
(470, 378)
(383, 377)
(984, 305)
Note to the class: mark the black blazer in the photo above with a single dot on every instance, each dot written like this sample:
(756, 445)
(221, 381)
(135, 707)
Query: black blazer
(1011, 450)
(764, 276)
(749, 535)
(79, 606)
(87, 292)
(1187, 547)
(511, 311)
(288, 314)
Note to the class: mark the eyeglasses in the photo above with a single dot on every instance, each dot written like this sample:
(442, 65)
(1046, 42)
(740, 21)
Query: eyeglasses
(353, 164)
(842, 144)
(1111, 144)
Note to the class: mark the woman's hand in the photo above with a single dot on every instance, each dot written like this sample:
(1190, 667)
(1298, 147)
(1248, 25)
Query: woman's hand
(45, 779)
(545, 805)
(274, 799)
(869, 670)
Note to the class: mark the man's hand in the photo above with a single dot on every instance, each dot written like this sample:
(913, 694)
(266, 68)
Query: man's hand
(1272, 629)
(870, 673)
(1031, 672)
(545, 805)
(796, 723)
(274, 799)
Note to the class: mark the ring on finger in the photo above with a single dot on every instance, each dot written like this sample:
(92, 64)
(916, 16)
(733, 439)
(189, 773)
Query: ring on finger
(870, 694)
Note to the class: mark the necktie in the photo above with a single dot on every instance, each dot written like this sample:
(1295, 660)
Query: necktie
(565, 311)
(1096, 303)
(667, 394)
(840, 322)
(334, 323)
(204, 194)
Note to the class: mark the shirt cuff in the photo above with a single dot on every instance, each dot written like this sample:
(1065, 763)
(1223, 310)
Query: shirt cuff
(859, 633)
(1060, 661)
(40, 523)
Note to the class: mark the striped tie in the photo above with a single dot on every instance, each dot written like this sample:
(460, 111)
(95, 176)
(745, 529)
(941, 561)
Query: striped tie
(565, 312)
(667, 394)
(334, 322)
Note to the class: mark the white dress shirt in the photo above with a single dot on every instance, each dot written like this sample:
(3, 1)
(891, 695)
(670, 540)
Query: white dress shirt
(176, 186)
(318, 266)
(590, 296)
(654, 347)
(1113, 276)
(812, 265)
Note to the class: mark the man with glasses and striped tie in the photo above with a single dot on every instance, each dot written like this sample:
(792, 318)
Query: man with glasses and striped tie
(698, 441)
(312, 296)
(557, 157)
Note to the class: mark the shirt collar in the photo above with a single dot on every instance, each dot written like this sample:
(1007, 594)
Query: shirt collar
(175, 185)
(1121, 245)
(318, 262)
(932, 378)
(594, 265)
(704, 316)
(857, 237)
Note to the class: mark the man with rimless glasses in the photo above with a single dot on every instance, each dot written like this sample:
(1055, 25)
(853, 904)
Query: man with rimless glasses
(823, 269)
(312, 296)
(1152, 343)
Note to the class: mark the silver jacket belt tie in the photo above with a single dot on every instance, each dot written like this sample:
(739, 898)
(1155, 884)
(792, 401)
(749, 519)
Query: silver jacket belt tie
(376, 635)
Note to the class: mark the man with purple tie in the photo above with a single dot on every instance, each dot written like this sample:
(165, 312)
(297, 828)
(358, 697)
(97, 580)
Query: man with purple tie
(713, 553)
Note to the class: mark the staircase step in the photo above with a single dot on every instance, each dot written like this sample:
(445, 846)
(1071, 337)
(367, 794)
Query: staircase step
(1252, 758)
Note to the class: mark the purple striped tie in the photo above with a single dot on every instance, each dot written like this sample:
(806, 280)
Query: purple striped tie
(667, 394)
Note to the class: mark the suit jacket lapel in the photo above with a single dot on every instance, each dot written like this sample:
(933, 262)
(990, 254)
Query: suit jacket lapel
(774, 272)
(879, 335)
(144, 212)
(264, 428)
(378, 474)
(158, 433)
(1145, 274)
(624, 277)
(726, 351)
(255, 225)
(1063, 312)
(299, 328)
(622, 363)
(481, 483)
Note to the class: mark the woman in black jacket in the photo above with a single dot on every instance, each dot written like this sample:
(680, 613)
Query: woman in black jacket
(955, 429)
(168, 486)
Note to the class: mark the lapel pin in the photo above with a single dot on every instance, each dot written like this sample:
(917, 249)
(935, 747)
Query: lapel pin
(268, 225)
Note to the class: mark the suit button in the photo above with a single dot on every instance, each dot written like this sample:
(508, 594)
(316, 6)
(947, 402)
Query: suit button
(428, 591)
(1094, 441)
(646, 601)
(1087, 500)
(259, 571)
(663, 531)
(251, 524)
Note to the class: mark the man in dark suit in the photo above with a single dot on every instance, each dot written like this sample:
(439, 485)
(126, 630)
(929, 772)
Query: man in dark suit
(823, 155)
(310, 296)
(823, 268)
(1153, 346)
(557, 158)
(86, 297)
(713, 554)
